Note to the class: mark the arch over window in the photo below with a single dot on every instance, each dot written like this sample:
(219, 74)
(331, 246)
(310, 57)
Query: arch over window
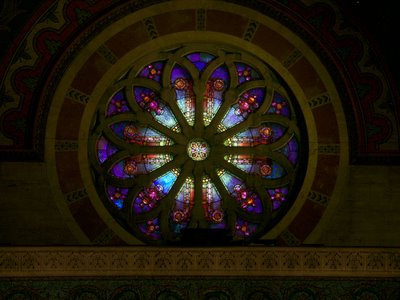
(191, 138)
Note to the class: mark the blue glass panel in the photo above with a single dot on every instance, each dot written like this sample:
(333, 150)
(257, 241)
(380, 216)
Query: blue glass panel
(200, 59)
(149, 101)
(278, 196)
(246, 73)
(215, 89)
(249, 102)
(166, 181)
(229, 180)
(153, 71)
(148, 198)
(279, 106)
(267, 133)
(151, 228)
(117, 104)
(183, 206)
(105, 149)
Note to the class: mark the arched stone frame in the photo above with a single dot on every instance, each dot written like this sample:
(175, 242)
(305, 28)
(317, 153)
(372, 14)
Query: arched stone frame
(104, 56)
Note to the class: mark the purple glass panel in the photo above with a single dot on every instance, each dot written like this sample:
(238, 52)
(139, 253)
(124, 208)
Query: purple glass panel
(246, 73)
(244, 229)
(291, 150)
(279, 106)
(117, 104)
(117, 195)
(200, 59)
(153, 71)
(105, 149)
(278, 196)
(151, 228)
(248, 102)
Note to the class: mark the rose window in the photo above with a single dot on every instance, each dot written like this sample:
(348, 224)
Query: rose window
(198, 139)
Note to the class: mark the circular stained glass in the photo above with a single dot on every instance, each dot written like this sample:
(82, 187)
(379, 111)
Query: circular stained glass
(198, 139)
(198, 149)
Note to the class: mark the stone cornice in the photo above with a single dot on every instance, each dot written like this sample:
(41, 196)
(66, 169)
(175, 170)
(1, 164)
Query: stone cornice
(165, 261)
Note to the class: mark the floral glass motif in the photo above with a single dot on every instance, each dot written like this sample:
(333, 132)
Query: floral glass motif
(166, 159)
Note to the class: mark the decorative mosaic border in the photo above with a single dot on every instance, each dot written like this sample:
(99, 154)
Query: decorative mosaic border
(237, 261)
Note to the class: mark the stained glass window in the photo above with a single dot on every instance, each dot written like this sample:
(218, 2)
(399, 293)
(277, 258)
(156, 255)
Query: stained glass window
(197, 139)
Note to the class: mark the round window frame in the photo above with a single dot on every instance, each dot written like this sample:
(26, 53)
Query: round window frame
(241, 56)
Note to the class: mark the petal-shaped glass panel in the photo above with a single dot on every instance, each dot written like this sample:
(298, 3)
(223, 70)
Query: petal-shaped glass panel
(183, 205)
(144, 136)
(212, 204)
(148, 198)
(183, 87)
(246, 198)
(263, 166)
(150, 101)
(248, 102)
(267, 133)
(214, 95)
(139, 164)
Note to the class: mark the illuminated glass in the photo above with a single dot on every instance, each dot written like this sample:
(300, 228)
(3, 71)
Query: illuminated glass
(193, 139)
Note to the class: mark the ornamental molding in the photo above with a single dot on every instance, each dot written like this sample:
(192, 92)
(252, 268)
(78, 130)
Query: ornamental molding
(256, 261)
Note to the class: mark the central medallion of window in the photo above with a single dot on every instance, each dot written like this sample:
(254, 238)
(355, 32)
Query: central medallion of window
(198, 149)
(198, 139)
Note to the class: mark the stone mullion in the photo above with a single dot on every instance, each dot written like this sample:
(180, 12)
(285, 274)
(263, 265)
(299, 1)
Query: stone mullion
(266, 202)
(114, 159)
(114, 139)
(175, 163)
(259, 150)
(249, 85)
(288, 123)
(198, 218)
(234, 170)
(255, 218)
(221, 137)
(127, 209)
(268, 97)
(211, 67)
